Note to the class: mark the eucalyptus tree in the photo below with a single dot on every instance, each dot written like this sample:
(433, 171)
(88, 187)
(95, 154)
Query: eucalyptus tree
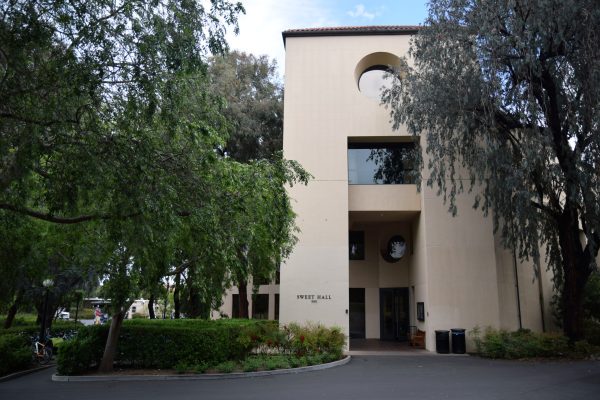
(253, 107)
(509, 90)
(253, 98)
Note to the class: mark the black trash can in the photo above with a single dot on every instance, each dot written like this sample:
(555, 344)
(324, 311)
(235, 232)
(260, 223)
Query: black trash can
(442, 342)
(458, 341)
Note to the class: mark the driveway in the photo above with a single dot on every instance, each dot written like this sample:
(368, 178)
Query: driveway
(375, 377)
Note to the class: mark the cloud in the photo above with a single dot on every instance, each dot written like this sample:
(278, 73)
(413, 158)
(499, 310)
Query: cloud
(360, 11)
(261, 27)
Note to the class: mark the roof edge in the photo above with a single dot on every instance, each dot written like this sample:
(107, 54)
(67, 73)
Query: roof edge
(352, 31)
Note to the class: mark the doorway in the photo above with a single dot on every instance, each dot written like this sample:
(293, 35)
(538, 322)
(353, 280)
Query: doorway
(394, 317)
(357, 313)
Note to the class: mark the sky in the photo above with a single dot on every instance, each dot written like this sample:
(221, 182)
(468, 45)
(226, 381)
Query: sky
(261, 27)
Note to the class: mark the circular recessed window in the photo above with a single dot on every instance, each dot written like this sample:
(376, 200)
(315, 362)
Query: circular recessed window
(374, 80)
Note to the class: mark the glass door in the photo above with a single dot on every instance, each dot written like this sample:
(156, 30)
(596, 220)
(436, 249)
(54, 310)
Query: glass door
(394, 318)
(357, 313)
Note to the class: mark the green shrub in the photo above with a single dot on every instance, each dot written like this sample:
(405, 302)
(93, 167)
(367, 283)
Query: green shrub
(84, 313)
(158, 344)
(15, 354)
(58, 328)
(194, 345)
(253, 363)
(78, 355)
(276, 362)
(226, 367)
(201, 367)
(521, 344)
(315, 340)
(592, 331)
(182, 367)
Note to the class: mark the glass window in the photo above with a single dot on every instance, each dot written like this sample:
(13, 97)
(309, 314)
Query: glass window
(374, 80)
(380, 163)
(260, 306)
(235, 306)
(356, 245)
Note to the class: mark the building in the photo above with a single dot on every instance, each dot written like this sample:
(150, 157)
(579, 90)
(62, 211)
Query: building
(375, 256)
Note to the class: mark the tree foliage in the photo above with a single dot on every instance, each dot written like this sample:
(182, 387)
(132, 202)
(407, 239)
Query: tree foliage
(254, 104)
(506, 95)
(110, 161)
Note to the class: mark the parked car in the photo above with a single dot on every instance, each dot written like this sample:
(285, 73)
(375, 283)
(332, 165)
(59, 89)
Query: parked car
(63, 315)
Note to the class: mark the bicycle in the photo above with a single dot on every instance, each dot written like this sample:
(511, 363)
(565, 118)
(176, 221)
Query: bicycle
(41, 352)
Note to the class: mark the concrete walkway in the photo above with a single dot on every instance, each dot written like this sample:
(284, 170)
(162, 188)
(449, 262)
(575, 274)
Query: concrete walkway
(393, 377)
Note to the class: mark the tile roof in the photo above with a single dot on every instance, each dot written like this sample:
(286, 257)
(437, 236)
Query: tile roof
(352, 31)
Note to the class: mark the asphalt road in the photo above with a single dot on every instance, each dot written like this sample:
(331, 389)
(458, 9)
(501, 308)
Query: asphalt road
(383, 377)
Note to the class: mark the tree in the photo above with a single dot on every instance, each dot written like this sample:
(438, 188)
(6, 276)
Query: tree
(84, 87)
(507, 92)
(254, 109)
(105, 119)
(254, 104)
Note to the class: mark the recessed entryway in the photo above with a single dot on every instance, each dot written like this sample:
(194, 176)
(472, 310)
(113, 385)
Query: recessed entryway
(394, 317)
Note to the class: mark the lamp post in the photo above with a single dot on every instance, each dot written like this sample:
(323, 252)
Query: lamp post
(47, 283)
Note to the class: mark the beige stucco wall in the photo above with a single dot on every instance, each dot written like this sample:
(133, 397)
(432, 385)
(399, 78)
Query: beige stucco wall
(531, 304)
(455, 265)
(227, 305)
(323, 107)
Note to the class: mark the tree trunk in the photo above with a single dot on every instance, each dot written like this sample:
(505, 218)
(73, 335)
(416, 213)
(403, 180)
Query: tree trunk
(193, 309)
(77, 310)
(576, 271)
(12, 311)
(176, 300)
(110, 350)
(151, 307)
(243, 298)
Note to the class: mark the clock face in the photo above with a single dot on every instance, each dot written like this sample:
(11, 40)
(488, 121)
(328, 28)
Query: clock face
(396, 248)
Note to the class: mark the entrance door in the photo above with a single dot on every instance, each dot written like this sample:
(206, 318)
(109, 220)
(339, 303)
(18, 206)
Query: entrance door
(394, 320)
(357, 313)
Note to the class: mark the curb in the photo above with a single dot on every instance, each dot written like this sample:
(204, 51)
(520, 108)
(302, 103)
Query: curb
(26, 372)
(188, 377)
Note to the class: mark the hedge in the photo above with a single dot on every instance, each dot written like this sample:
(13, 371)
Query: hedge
(58, 328)
(159, 344)
(15, 354)
(526, 344)
(183, 344)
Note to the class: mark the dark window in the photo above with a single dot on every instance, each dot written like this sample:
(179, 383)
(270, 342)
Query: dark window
(356, 245)
(260, 306)
(381, 163)
(357, 313)
(235, 306)
(277, 306)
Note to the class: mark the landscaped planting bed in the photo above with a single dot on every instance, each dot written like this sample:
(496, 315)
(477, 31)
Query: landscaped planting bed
(201, 346)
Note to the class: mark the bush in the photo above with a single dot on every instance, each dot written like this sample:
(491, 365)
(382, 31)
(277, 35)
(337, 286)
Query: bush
(592, 331)
(312, 340)
(193, 345)
(77, 355)
(226, 367)
(158, 344)
(521, 344)
(58, 328)
(253, 363)
(15, 354)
